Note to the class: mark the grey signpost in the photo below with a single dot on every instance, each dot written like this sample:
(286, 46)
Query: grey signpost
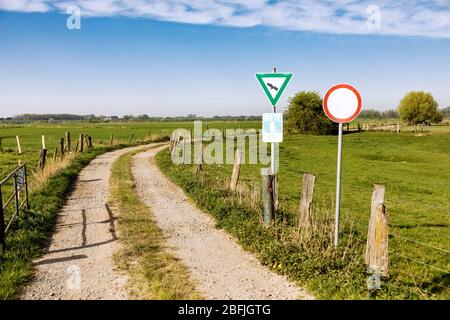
(342, 104)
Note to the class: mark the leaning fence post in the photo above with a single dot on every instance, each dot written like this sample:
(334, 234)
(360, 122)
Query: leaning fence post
(304, 217)
(131, 138)
(236, 170)
(18, 145)
(267, 189)
(42, 159)
(376, 256)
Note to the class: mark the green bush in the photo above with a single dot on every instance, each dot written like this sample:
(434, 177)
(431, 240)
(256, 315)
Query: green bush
(305, 115)
(419, 107)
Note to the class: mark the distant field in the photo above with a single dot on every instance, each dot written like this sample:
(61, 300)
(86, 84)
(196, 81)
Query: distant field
(415, 169)
(30, 136)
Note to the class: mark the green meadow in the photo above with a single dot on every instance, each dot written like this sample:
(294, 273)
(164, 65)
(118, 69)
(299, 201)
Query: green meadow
(413, 167)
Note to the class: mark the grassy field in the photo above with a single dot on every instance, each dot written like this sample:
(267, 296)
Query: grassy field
(414, 167)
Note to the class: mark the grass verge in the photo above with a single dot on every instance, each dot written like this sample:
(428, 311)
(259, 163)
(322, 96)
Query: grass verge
(312, 262)
(154, 272)
(30, 232)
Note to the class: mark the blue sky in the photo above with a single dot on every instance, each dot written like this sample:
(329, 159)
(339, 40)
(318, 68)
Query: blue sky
(195, 56)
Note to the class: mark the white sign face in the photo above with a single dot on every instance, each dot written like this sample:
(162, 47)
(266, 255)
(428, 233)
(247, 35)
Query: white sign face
(342, 103)
(272, 127)
(273, 84)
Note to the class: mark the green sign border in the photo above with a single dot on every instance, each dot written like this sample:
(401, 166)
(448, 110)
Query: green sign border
(260, 77)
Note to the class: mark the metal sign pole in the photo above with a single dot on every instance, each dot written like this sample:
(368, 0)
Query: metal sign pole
(338, 186)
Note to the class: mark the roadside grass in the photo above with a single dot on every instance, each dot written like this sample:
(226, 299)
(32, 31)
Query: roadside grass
(414, 169)
(30, 232)
(154, 273)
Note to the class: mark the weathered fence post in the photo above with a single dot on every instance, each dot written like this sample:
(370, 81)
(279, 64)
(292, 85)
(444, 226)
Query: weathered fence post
(199, 166)
(131, 138)
(81, 142)
(42, 159)
(1, 142)
(267, 190)
(236, 170)
(304, 217)
(54, 155)
(376, 256)
(61, 144)
(111, 140)
(18, 145)
(68, 143)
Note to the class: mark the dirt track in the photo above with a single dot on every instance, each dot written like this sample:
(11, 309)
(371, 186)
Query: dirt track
(78, 263)
(219, 266)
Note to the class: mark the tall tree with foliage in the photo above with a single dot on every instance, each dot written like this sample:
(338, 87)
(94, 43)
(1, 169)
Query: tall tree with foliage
(418, 107)
(305, 115)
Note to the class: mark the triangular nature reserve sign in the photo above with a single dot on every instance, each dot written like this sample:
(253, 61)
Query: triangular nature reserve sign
(273, 84)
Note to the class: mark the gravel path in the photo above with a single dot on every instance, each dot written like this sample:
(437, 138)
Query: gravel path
(219, 266)
(78, 263)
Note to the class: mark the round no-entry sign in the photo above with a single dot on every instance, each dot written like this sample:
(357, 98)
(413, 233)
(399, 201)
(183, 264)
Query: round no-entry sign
(342, 103)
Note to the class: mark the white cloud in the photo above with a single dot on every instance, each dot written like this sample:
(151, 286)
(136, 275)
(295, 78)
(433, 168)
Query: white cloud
(401, 17)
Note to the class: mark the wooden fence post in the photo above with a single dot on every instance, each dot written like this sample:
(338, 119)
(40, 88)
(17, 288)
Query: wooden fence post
(267, 185)
(90, 142)
(236, 170)
(18, 145)
(54, 155)
(68, 143)
(131, 138)
(42, 159)
(199, 166)
(304, 217)
(43, 142)
(61, 143)
(81, 145)
(376, 256)
(111, 140)
(1, 141)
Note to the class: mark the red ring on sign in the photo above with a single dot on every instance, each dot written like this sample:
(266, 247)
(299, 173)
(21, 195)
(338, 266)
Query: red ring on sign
(327, 95)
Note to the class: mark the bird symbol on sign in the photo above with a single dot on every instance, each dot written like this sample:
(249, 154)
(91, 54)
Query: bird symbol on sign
(272, 86)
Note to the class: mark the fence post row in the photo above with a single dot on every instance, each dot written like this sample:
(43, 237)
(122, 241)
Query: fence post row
(376, 256)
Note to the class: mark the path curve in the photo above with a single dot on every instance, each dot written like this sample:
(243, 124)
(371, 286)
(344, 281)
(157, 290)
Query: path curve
(78, 263)
(220, 268)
